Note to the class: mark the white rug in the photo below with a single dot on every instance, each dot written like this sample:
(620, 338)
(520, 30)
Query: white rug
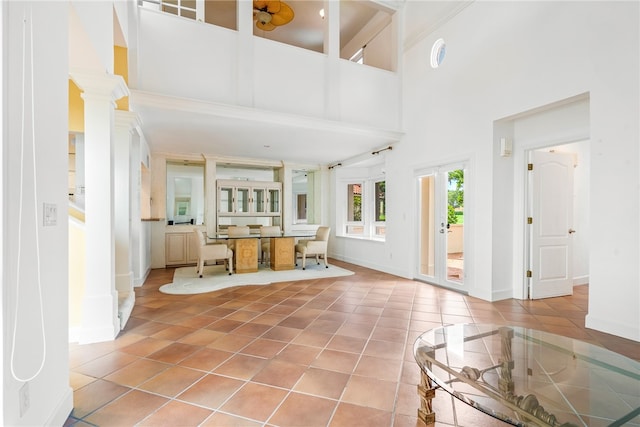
(215, 277)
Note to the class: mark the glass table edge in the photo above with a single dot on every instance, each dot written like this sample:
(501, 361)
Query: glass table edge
(491, 412)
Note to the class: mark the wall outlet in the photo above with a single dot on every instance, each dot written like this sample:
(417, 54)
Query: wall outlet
(50, 214)
(25, 400)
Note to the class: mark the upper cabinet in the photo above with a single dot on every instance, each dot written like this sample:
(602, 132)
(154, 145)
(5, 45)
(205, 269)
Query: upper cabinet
(249, 198)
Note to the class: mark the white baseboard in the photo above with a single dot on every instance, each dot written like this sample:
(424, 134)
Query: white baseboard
(62, 411)
(125, 307)
(140, 281)
(581, 280)
(613, 327)
(376, 267)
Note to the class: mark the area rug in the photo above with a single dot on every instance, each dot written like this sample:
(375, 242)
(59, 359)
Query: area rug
(215, 277)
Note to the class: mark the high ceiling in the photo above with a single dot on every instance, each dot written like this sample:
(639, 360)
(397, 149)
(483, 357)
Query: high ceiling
(173, 125)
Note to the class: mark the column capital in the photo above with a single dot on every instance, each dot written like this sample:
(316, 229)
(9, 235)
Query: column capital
(128, 120)
(105, 85)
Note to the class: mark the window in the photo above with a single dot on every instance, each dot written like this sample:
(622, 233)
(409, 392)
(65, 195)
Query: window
(184, 8)
(355, 225)
(380, 209)
(365, 212)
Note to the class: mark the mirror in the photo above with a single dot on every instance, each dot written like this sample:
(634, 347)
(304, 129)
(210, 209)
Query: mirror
(185, 193)
(302, 187)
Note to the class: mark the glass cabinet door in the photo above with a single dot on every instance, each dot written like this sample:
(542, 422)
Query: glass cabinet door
(274, 200)
(225, 199)
(242, 202)
(258, 201)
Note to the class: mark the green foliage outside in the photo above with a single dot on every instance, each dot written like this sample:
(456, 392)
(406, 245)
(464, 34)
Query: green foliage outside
(357, 208)
(381, 208)
(456, 197)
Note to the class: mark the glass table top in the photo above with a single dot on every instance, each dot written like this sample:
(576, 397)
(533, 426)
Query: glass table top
(528, 377)
(256, 235)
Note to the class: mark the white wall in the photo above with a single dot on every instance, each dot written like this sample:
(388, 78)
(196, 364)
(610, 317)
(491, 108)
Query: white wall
(96, 21)
(50, 396)
(504, 59)
(558, 123)
(181, 57)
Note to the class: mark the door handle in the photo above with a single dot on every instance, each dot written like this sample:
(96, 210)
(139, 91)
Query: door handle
(571, 231)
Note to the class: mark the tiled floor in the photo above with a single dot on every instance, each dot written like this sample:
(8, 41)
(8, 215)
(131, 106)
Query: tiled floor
(330, 352)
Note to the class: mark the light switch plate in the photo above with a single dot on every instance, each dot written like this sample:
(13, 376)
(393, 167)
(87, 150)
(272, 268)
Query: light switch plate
(50, 214)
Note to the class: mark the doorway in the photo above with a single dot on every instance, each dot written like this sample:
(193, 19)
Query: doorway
(557, 205)
(441, 192)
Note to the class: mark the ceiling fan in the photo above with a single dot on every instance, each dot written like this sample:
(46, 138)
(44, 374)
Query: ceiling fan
(271, 14)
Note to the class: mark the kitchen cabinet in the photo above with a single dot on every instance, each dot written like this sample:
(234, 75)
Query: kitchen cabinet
(181, 248)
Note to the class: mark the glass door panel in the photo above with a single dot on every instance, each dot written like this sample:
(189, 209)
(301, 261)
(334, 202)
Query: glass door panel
(274, 200)
(225, 199)
(258, 200)
(242, 202)
(441, 225)
(455, 225)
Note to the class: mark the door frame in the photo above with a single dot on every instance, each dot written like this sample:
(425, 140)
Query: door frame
(521, 257)
(465, 163)
(536, 284)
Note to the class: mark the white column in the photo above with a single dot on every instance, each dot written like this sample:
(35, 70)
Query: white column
(332, 69)
(211, 196)
(100, 304)
(125, 125)
(136, 211)
(244, 65)
(79, 190)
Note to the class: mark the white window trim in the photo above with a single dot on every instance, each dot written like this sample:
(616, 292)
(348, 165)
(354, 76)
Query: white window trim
(368, 209)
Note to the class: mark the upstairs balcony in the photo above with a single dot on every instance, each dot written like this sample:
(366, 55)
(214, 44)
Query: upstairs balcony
(210, 56)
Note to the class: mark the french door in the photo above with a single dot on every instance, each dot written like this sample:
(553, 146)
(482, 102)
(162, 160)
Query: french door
(441, 225)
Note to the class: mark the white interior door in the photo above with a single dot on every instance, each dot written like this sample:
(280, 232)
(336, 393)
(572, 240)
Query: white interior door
(551, 208)
(441, 227)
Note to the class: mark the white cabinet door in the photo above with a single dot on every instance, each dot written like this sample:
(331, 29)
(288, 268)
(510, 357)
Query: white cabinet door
(192, 248)
(273, 201)
(175, 248)
(225, 199)
(258, 200)
(249, 198)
